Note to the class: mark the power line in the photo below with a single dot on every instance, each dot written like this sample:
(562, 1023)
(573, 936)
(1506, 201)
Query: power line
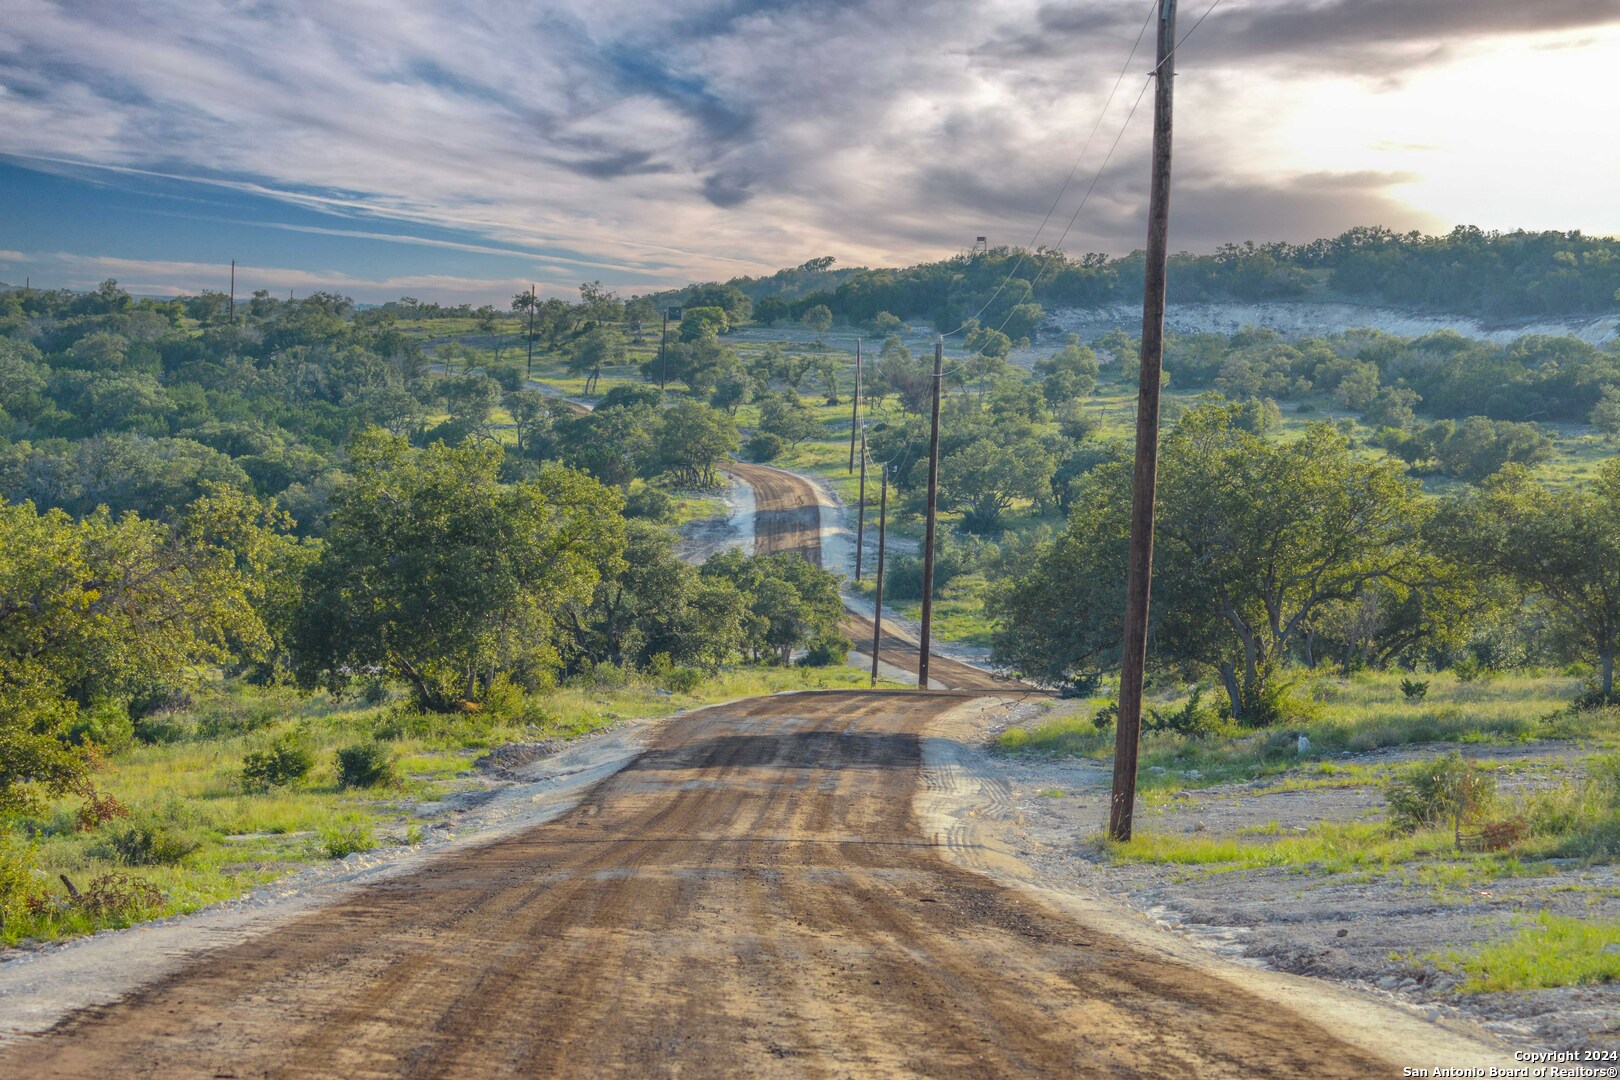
(1086, 198)
(1064, 190)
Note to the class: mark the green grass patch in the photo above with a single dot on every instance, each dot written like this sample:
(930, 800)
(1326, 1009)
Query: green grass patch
(1552, 950)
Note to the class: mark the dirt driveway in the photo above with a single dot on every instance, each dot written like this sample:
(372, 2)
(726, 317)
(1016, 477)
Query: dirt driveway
(751, 897)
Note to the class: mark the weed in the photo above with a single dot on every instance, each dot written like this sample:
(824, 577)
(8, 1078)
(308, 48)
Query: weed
(339, 843)
(1414, 690)
(1553, 950)
(280, 763)
(1445, 791)
(146, 843)
(117, 896)
(365, 765)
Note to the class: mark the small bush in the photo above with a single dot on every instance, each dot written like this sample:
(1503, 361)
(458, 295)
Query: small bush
(146, 843)
(1106, 717)
(364, 765)
(826, 651)
(279, 764)
(765, 446)
(649, 504)
(1193, 718)
(339, 843)
(16, 877)
(373, 690)
(116, 896)
(105, 723)
(1593, 698)
(1446, 791)
(1413, 689)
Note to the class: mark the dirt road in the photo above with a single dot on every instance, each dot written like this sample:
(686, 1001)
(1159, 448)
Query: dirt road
(787, 517)
(751, 897)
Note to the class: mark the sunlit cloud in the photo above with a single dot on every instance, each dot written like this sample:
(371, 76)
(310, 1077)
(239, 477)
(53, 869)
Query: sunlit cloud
(652, 144)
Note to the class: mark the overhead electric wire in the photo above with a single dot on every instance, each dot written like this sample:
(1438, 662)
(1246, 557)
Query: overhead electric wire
(1075, 216)
(1023, 254)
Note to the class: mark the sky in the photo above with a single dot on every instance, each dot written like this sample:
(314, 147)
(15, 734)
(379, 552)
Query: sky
(460, 151)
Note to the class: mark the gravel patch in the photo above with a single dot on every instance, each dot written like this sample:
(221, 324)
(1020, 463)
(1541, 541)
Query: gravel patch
(1370, 930)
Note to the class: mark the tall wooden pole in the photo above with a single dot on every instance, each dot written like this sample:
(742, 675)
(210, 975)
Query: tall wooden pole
(855, 412)
(233, 290)
(663, 344)
(928, 528)
(877, 615)
(531, 331)
(1139, 575)
(860, 514)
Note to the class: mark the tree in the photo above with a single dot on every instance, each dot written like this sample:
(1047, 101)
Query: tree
(98, 611)
(788, 418)
(470, 399)
(693, 440)
(703, 323)
(983, 479)
(792, 604)
(1605, 414)
(645, 608)
(1254, 540)
(445, 578)
(1068, 374)
(592, 352)
(772, 310)
(1560, 546)
(818, 318)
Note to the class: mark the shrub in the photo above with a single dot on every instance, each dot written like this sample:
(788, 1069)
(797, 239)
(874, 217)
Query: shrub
(364, 765)
(105, 723)
(116, 896)
(1106, 717)
(373, 690)
(278, 764)
(146, 843)
(338, 843)
(826, 651)
(676, 678)
(649, 504)
(1445, 791)
(1193, 718)
(1413, 689)
(16, 877)
(765, 446)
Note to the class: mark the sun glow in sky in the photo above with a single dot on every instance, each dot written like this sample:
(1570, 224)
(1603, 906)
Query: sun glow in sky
(461, 149)
(1519, 133)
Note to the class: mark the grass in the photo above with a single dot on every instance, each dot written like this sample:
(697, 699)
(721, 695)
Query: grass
(1551, 950)
(187, 786)
(1366, 712)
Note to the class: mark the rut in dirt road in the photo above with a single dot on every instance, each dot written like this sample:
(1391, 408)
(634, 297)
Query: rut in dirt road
(750, 897)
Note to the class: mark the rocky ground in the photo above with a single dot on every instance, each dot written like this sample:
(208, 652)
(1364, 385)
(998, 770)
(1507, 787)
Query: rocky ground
(1377, 930)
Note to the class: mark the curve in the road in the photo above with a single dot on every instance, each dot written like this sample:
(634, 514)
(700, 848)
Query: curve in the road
(787, 517)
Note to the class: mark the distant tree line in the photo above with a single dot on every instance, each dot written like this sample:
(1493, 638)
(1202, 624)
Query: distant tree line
(1466, 271)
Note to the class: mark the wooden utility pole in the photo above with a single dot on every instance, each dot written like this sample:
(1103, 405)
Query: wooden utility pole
(860, 514)
(663, 344)
(855, 412)
(531, 331)
(233, 291)
(877, 614)
(1139, 575)
(933, 512)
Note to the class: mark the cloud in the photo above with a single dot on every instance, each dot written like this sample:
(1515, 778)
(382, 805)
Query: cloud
(653, 143)
(160, 277)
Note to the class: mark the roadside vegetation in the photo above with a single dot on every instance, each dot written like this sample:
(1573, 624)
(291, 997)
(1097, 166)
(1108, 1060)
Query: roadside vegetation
(270, 576)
